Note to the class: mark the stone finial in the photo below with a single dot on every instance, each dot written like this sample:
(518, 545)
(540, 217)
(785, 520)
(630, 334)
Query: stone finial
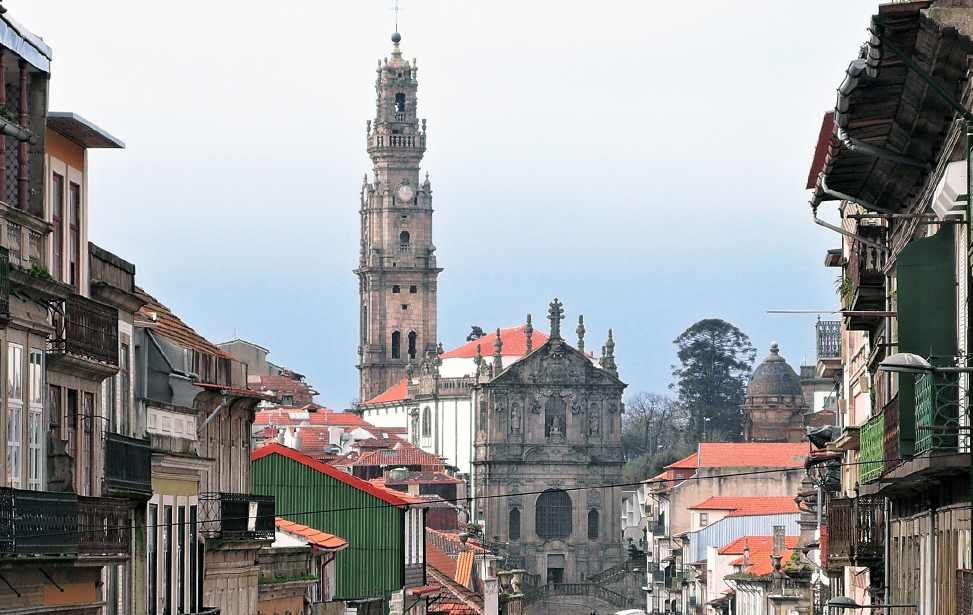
(439, 349)
(409, 370)
(478, 358)
(368, 130)
(529, 332)
(424, 130)
(497, 355)
(580, 332)
(556, 314)
(608, 356)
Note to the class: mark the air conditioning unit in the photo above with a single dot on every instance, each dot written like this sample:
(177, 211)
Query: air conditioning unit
(952, 192)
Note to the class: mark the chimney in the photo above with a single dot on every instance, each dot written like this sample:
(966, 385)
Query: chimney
(778, 539)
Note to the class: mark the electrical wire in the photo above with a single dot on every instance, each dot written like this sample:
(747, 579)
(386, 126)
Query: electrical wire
(407, 506)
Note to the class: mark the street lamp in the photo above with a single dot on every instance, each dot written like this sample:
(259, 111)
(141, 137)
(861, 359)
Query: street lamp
(908, 363)
(844, 602)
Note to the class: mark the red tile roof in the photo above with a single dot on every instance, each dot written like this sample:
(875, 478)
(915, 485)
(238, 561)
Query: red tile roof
(451, 543)
(396, 392)
(759, 543)
(395, 498)
(514, 344)
(315, 537)
(402, 456)
(169, 326)
(464, 568)
(425, 478)
(287, 417)
(440, 560)
(752, 454)
(689, 462)
(746, 506)
(453, 599)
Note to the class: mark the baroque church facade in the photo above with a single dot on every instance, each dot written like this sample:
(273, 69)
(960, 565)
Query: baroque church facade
(397, 270)
(548, 441)
(532, 423)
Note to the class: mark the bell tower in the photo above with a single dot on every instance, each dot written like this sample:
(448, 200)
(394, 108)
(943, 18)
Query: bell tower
(397, 263)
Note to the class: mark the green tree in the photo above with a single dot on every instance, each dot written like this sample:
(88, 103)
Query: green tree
(475, 333)
(715, 362)
(651, 423)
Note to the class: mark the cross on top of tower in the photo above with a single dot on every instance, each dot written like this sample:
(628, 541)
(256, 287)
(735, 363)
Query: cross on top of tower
(556, 315)
(396, 37)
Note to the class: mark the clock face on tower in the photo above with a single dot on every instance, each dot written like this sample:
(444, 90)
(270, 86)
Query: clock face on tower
(404, 193)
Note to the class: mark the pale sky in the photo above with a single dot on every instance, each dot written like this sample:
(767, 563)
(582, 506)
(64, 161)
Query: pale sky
(645, 162)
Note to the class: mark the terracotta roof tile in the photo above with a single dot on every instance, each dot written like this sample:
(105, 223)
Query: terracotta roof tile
(315, 537)
(464, 568)
(426, 478)
(746, 506)
(397, 392)
(514, 344)
(169, 326)
(402, 456)
(287, 417)
(752, 454)
(689, 462)
(438, 559)
(450, 542)
(758, 543)
(453, 599)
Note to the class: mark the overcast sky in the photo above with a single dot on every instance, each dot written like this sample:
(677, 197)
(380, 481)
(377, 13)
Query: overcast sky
(643, 161)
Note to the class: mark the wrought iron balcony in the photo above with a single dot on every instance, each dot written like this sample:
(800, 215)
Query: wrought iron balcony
(38, 523)
(856, 531)
(86, 330)
(938, 413)
(237, 516)
(104, 527)
(865, 269)
(128, 466)
(872, 449)
(828, 333)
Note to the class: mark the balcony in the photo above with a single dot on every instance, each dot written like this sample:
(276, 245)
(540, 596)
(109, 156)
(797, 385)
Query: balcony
(86, 337)
(828, 334)
(872, 448)
(856, 530)
(866, 276)
(104, 527)
(237, 516)
(938, 413)
(128, 467)
(38, 523)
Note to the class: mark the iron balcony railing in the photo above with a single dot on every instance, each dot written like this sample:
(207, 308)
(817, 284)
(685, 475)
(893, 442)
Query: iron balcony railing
(128, 465)
(856, 531)
(86, 329)
(938, 413)
(237, 516)
(575, 589)
(865, 270)
(104, 527)
(38, 523)
(828, 339)
(872, 448)
(4, 283)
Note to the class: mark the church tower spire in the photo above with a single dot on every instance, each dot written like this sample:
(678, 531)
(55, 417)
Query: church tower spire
(397, 269)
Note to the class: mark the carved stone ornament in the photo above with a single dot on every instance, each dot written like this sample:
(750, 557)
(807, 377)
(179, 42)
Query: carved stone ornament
(498, 406)
(535, 404)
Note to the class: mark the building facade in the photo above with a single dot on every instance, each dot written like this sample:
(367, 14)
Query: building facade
(547, 447)
(397, 270)
(774, 406)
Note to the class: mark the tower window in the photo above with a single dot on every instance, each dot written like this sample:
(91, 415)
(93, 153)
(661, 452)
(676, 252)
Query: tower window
(404, 237)
(413, 290)
(552, 517)
(412, 344)
(396, 289)
(426, 423)
(513, 527)
(405, 306)
(400, 102)
(396, 343)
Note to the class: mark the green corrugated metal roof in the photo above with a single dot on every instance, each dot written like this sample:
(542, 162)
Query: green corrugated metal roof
(372, 565)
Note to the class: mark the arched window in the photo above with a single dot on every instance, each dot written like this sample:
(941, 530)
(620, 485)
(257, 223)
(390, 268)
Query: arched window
(399, 102)
(552, 518)
(514, 524)
(404, 237)
(426, 422)
(592, 524)
(396, 343)
(412, 344)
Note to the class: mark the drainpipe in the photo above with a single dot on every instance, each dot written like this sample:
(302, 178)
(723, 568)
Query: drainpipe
(165, 358)
(213, 414)
(847, 197)
(849, 234)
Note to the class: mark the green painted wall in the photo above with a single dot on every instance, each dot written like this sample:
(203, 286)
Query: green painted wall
(372, 565)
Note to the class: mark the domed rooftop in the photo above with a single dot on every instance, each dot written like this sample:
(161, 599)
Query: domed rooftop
(775, 378)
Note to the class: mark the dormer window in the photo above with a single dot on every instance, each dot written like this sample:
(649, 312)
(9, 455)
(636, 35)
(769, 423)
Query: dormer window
(399, 102)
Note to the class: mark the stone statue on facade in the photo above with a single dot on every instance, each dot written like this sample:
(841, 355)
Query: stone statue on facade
(515, 419)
